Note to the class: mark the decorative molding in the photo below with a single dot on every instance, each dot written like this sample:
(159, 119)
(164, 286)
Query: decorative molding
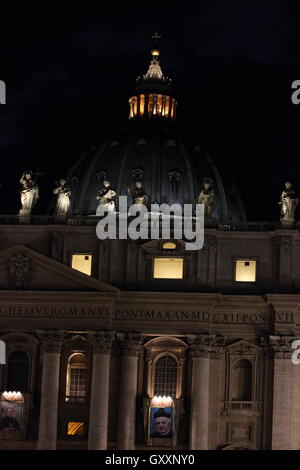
(278, 347)
(242, 348)
(264, 345)
(19, 270)
(137, 174)
(281, 345)
(239, 432)
(168, 350)
(76, 342)
(205, 345)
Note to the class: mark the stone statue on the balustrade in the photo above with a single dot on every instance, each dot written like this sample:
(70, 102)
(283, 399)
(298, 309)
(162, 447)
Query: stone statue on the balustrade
(138, 194)
(30, 191)
(105, 196)
(288, 201)
(207, 197)
(63, 192)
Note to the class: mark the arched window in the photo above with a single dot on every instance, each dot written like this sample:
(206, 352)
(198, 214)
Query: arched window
(159, 105)
(18, 371)
(76, 378)
(142, 105)
(242, 386)
(165, 380)
(150, 105)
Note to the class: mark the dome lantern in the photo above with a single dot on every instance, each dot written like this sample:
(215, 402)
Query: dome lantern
(153, 96)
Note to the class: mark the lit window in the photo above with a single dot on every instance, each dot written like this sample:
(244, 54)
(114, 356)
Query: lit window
(150, 105)
(82, 263)
(169, 246)
(165, 381)
(168, 268)
(76, 379)
(135, 104)
(167, 106)
(154, 104)
(131, 108)
(75, 429)
(142, 104)
(245, 270)
(159, 105)
(173, 109)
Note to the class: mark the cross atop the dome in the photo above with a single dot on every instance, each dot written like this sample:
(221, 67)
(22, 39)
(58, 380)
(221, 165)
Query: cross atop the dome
(155, 52)
(156, 36)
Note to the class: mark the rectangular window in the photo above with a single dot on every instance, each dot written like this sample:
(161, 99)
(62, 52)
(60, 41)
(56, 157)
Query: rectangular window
(168, 268)
(82, 262)
(245, 270)
(75, 428)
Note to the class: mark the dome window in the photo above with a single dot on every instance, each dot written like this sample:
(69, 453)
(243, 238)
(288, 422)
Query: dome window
(141, 144)
(150, 105)
(166, 108)
(142, 105)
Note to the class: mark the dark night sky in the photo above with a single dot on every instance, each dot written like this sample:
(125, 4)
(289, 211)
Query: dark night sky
(69, 73)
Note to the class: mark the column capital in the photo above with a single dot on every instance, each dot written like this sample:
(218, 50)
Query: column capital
(204, 345)
(102, 341)
(280, 345)
(51, 340)
(130, 343)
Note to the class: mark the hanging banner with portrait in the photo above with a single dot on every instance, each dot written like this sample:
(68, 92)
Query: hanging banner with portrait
(161, 423)
(159, 415)
(11, 415)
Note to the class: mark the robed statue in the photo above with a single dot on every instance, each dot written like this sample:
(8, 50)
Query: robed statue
(207, 197)
(288, 201)
(105, 196)
(138, 194)
(63, 192)
(29, 192)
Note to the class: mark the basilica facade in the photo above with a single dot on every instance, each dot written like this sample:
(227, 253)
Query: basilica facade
(145, 344)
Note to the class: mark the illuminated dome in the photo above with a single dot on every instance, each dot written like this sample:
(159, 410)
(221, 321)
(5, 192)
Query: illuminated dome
(153, 148)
